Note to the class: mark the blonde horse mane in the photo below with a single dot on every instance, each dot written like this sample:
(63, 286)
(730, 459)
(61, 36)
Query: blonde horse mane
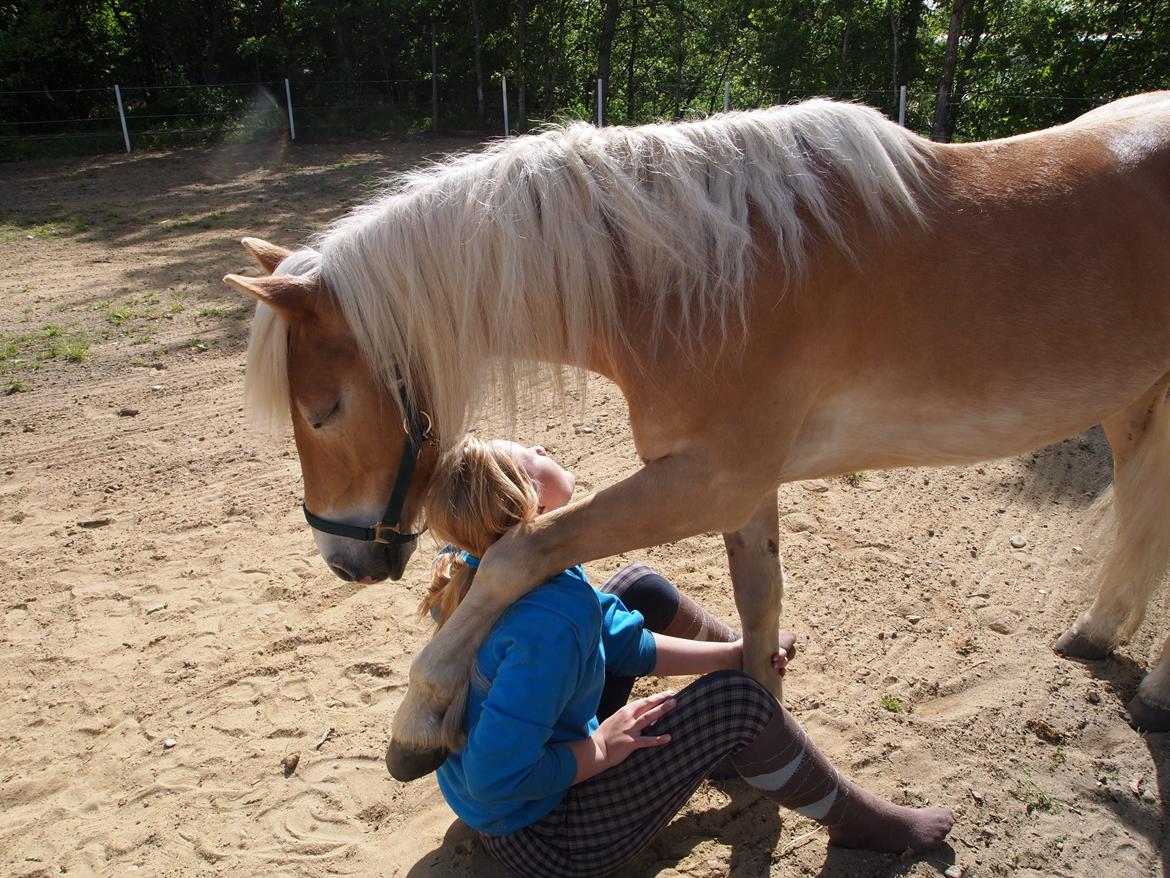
(464, 273)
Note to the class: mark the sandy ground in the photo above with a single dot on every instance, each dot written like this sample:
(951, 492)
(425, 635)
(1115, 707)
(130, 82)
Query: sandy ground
(170, 634)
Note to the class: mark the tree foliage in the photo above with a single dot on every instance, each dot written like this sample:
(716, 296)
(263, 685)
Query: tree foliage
(1020, 64)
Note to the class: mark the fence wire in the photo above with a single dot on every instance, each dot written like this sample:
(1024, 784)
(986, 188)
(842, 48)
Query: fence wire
(85, 120)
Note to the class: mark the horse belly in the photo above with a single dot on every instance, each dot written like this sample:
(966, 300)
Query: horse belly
(872, 427)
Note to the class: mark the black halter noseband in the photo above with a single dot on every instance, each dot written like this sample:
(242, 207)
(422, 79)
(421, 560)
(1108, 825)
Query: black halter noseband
(417, 426)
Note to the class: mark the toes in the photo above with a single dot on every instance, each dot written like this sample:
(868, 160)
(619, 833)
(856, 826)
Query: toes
(1075, 645)
(406, 765)
(1146, 717)
(788, 643)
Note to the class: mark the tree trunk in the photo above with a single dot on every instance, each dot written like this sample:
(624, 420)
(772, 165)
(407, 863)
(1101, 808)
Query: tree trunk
(551, 66)
(478, 51)
(894, 9)
(946, 83)
(978, 22)
(604, 51)
(631, 83)
(521, 72)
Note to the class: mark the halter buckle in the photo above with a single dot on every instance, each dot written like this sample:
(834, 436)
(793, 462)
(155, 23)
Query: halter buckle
(379, 528)
(426, 433)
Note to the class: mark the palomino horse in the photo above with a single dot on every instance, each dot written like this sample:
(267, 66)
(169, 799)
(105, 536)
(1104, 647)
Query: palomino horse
(782, 294)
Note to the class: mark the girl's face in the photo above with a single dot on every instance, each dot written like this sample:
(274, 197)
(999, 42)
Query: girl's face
(554, 483)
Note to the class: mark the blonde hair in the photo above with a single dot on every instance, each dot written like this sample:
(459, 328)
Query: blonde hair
(478, 492)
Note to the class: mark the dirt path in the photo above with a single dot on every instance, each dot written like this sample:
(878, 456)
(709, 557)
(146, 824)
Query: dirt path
(169, 633)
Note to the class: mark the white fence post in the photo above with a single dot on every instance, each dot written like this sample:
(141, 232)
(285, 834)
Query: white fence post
(292, 125)
(504, 89)
(122, 116)
(726, 95)
(902, 106)
(600, 88)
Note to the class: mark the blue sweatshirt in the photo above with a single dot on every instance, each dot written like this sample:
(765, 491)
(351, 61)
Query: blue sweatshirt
(535, 686)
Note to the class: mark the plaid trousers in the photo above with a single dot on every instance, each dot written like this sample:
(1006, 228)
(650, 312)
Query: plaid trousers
(604, 821)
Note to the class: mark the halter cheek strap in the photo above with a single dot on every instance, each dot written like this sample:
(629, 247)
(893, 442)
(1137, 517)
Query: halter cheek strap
(417, 426)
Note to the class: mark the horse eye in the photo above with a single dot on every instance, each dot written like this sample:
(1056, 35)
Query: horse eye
(336, 406)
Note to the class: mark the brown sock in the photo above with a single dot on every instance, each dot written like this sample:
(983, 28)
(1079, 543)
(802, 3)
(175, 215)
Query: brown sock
(787, 767)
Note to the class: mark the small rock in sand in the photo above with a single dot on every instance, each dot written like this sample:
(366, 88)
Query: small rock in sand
(798, 522)
(1018, 542)
(999, 621)
(954, 871)
(127, 412)
(169, 743)
(289, 763)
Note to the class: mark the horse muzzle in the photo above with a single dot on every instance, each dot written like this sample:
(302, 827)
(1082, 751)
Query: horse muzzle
(366, 562)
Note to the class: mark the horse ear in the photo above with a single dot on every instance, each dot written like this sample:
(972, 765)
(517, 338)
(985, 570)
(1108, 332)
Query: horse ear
(292, 297)
(268, 255)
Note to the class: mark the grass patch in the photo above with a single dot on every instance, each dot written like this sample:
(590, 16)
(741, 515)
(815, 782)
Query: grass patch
(74, 348)
(15, 385)
(893, 704)
(207, 221)
(40, 231)
(1035, 798)
(855, 479)
(118, 316)
(19, 352)
(213, 312)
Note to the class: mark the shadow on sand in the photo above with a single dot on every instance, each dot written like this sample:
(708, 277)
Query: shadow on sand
(749, 824)
(1121, 676)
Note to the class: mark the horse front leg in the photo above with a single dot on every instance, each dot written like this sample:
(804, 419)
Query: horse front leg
(753, 555)
(670, 498)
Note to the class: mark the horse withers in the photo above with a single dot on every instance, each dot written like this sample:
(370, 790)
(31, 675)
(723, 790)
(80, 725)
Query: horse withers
(780, 294)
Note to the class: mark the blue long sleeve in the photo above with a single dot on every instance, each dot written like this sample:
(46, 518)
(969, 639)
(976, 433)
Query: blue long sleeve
(510, 756)
(629, 647)
(534, 688)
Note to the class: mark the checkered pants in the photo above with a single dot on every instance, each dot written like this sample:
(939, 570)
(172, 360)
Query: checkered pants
(606, 820)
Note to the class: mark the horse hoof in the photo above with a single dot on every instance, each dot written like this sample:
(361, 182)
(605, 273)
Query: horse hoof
(406, 765)
(1146, 717)
(1075, 645)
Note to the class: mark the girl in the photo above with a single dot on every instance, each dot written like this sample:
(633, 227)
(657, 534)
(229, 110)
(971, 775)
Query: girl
(550, 789)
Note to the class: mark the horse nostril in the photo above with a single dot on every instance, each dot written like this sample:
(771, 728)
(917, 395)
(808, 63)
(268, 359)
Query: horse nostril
(338, 568)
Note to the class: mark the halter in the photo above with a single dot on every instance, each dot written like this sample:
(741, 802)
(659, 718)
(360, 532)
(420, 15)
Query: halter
(417, 426)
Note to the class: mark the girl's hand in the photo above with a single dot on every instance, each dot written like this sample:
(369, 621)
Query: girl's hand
(779, 659)
(621, 734)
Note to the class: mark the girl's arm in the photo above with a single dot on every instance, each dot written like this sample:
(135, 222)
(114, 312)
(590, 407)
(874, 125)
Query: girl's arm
(677, 657)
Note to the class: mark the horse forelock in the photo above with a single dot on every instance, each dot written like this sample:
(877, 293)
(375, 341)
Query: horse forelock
(461, 272)
(266, 388)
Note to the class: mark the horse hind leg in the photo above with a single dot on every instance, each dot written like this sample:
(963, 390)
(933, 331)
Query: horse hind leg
(1139, 555)
(1150, 708)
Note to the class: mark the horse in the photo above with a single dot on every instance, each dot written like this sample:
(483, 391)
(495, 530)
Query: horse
(781, 294)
